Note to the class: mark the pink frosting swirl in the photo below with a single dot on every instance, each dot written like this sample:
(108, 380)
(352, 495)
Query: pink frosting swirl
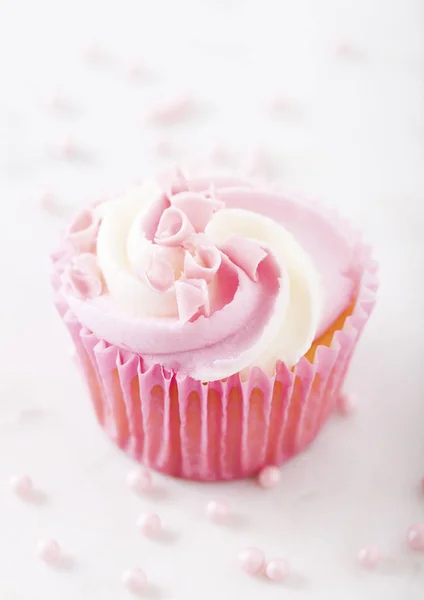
(183, 292)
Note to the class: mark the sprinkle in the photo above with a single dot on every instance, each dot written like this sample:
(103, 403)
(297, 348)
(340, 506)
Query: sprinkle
(140, 480)
(134, 580)
(22, 485)
(415, 537)
(149, 524)
(252, 560)
(369, 557)
(269, 477)
(48, 551)
(217, 510)
(346, 404)
(277, 569)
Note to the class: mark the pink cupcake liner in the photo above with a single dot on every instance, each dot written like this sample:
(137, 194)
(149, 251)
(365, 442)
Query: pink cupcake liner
(226, 429)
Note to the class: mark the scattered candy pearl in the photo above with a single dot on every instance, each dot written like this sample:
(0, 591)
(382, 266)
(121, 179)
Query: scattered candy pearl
(172, 112)
(259, 164)
(369, 557)
(277, 569)
(163, 148)
(252, 560)
(69, 149)
(149, 524)
(22, 485)
(346, 404)
(217, 510)
(415, 537)
(136, 71)
(48, 551)
(220, 156)
(134, 580)
(47, 202)
(140, 480)
(280, 106)
(269, 477)
(346, 49)
(57, 101)
(95, 54)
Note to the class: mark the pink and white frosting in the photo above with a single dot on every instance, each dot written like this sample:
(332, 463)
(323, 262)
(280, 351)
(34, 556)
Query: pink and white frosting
(206, 277)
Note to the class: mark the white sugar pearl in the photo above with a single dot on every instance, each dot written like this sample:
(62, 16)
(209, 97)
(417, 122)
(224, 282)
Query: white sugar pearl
(217, 510)
(149, 524)
(140, 480)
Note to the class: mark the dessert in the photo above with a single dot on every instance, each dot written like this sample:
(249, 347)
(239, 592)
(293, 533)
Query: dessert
(214, 320)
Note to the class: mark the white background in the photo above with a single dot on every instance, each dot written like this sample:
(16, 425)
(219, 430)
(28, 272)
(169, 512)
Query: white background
(355, 136)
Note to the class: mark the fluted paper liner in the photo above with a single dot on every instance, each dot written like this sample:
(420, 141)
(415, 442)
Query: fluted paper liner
(222, 429)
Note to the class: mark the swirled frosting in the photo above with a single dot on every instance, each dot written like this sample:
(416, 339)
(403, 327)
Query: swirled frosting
(193, 276)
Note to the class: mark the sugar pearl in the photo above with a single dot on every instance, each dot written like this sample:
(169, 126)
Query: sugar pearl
(347, 404)
(134, 580)
(140, 480)
(173, 111)
(163, 148)
(252, 560)
(69, 149)
(136, 71)
(149, 524)
(217, 510)
(22, 485)
(415, 537)
(369, 557)
(277, 569)
(269, 477)
(48, 551)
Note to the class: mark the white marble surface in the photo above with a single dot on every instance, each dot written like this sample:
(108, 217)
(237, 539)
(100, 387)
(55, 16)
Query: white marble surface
(355, 137)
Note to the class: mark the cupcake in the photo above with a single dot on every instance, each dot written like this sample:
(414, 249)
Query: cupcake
(214, 320)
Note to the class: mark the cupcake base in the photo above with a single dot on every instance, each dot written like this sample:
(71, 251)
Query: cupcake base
(220, 430)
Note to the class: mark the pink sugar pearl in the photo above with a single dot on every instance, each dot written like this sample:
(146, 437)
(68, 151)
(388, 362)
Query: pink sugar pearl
(149, 524)
(48, 551)
(163, 148)
(134, 580)
(369, 557)
(217, 510)
(415, 537)
(347, 404)
(140, 480)
(22, 485)
(252, 560)
(269, 477)
(136, 71)
(277, 569)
